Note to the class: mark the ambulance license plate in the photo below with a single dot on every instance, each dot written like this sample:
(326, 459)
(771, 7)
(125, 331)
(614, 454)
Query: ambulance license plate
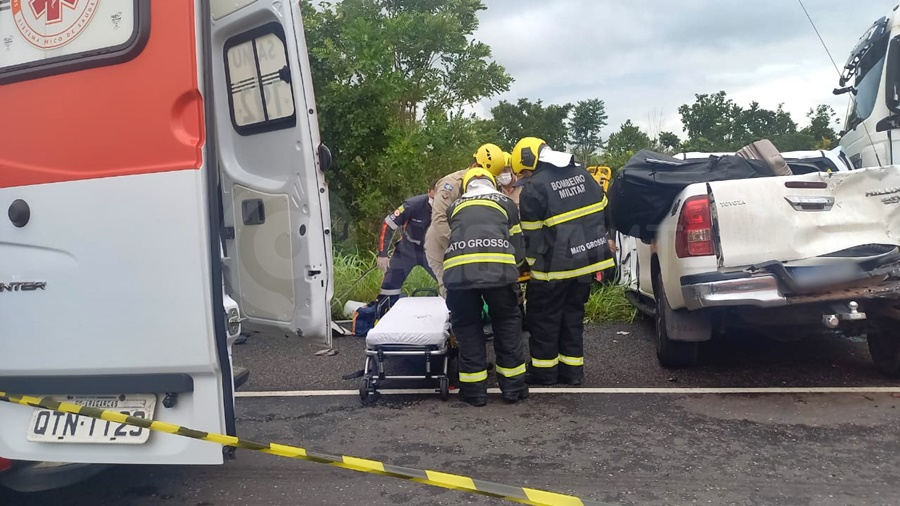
(49, 426)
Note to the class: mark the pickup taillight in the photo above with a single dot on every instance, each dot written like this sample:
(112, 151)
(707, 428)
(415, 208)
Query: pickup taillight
(694, 235)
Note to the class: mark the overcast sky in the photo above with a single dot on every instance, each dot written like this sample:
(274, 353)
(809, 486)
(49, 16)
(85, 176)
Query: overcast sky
(645, 58)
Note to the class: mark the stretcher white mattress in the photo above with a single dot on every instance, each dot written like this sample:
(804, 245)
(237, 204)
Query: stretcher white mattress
(413, 321)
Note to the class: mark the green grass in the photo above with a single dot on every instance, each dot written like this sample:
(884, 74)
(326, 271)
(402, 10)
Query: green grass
(608, 304)
(356, 278)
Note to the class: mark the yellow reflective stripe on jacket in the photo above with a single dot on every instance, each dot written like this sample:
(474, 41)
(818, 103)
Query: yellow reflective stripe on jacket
(532, 225)
(516, 229)
(575, 213)
(545, 364)
(473, 377)
(573, 361)
(558, 275)
(480, 202)
(531, 261)
(471, 258)
(509, 373)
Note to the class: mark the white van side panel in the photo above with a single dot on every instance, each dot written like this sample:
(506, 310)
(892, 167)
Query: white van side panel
(127, 292)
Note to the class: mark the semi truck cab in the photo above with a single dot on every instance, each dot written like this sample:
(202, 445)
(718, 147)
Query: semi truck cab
(871, 78)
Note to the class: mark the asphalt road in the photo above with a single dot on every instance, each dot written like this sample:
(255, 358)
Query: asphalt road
(670, 448)
(616, 355)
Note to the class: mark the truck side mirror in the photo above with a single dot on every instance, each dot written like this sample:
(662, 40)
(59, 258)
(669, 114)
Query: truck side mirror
(888, 123)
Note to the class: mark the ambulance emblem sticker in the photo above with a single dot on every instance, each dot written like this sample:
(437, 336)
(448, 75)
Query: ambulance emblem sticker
(49, 24)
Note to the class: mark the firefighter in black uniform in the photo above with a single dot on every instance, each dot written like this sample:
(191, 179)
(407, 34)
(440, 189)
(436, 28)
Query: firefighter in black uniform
(563, 219)
(412, 218)
(481, 263)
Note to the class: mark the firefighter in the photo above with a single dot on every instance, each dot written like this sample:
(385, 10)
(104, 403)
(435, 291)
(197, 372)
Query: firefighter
(481, 263)
(562, 211)
(412, 218)
(447, 190)
(507, 181)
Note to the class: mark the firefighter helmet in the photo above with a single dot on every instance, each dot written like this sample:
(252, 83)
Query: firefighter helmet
(525, 154)
(477, 173)
(490, 157)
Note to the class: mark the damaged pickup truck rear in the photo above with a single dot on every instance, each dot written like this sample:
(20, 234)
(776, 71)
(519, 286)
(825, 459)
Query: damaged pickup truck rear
(784, 245)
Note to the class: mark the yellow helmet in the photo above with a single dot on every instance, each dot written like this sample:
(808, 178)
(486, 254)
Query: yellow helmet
(507, 159)
(525, 154)
(477, 172)
(490, 156)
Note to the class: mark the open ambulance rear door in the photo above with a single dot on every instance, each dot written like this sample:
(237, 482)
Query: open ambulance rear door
(123, 125)
(278, 263)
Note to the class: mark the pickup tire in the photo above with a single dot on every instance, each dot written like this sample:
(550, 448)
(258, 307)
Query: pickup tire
(884, 347)
(669, 353)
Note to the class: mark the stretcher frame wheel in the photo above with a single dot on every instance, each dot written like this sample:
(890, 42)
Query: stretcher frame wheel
(367, 393)
(445, 388)
(363, 389)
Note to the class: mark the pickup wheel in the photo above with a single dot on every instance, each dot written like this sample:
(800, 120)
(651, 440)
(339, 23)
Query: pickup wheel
(884, 346)
(669, 353)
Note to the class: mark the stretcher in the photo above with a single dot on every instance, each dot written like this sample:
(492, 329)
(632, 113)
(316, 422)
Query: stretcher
(413, 327)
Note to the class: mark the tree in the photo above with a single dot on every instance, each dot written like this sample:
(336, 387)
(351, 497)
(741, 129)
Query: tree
(716, 123)
(622, 145)
(668, 141)
(709, 122)
(819, 127)
(527, 119)
(588, 119)
(391, 78)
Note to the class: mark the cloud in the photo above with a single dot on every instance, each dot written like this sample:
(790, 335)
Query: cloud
(645, 58)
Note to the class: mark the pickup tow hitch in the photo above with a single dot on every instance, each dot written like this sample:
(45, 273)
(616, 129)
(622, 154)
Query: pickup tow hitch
(852, 314)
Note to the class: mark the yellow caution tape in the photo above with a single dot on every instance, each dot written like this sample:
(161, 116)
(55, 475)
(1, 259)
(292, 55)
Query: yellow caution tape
(444, 480)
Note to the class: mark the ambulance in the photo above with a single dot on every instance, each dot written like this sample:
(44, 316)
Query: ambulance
(163, 187)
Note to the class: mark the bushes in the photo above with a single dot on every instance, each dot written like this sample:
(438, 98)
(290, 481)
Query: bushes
(360, 268)
(607, 303)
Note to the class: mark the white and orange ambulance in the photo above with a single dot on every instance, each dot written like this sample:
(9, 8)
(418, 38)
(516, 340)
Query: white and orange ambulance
(161, 183)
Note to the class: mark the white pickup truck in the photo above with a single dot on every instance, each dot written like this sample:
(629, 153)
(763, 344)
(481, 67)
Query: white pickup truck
(783, 254)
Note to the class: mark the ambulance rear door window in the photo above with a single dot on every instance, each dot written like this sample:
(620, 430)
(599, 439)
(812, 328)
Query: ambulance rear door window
(259, 81)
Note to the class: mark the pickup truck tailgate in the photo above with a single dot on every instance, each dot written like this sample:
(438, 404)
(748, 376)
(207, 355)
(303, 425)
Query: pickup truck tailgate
(800, 217)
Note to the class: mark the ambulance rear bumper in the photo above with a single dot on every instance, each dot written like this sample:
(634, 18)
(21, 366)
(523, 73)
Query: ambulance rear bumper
(28, 477)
